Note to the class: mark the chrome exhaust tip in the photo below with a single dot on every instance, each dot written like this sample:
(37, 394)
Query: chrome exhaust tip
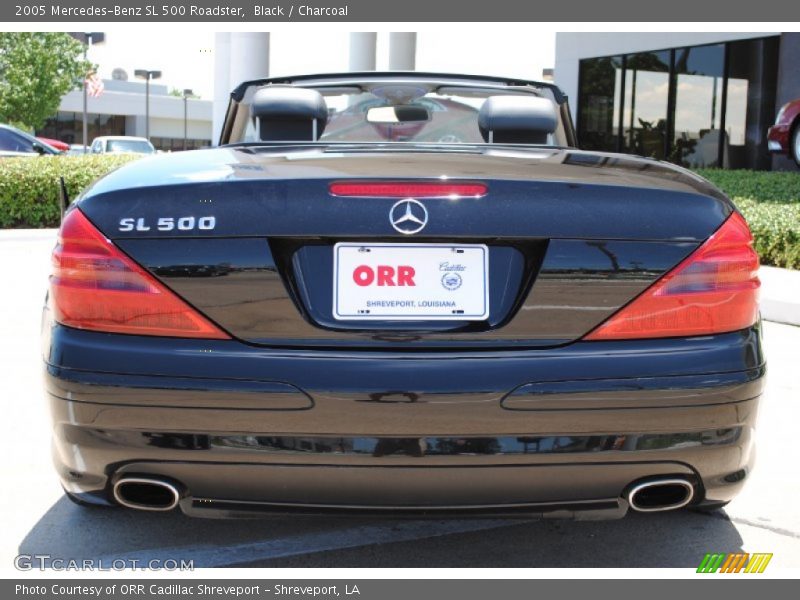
(660, 495)
(143, 493)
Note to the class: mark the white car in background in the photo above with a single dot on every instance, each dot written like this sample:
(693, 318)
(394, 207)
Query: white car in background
(77, 149)
(114, 144)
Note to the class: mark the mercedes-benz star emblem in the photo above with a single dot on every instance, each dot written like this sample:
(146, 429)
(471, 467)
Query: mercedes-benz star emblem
(408, 216)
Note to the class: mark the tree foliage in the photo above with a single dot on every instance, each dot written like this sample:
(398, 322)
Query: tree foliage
(178, 93)
(36, 70)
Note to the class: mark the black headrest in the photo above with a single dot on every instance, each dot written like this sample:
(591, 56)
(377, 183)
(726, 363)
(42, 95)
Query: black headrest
(517, 119)
(289, 114)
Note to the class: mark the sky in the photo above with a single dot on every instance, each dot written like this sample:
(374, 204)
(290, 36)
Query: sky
(186, 58)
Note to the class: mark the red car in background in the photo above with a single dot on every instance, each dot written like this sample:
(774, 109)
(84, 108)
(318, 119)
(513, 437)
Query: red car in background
(784, 136)
(58, 145)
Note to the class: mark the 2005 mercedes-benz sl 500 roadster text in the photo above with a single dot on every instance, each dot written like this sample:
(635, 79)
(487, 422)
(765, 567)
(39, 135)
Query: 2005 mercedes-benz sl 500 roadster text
(403, 293)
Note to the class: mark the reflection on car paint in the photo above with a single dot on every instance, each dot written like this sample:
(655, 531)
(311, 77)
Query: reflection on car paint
(444, 446)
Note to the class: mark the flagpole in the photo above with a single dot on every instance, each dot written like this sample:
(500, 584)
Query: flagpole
(85, 95)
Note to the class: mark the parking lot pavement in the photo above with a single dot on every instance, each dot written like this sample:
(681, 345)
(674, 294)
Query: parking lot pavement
(37, 519)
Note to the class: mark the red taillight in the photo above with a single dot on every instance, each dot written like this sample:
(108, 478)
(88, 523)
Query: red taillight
(714, 290)
(410, 189)
(95, 286)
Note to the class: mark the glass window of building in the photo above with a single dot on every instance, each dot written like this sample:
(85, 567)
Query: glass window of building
(699, 81)
(165, 144)
(644, 112)
(699, 106)
(68, 127)
(598, 102)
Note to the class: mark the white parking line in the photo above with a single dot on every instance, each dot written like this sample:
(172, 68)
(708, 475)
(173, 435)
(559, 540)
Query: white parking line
(209, 555)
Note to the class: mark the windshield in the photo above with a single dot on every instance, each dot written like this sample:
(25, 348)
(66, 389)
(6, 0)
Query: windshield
(136, 146)
(420, 113)
(450, 119)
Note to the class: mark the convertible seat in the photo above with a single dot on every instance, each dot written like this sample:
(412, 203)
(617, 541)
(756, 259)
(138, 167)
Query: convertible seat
(289, 114)
(517, 119)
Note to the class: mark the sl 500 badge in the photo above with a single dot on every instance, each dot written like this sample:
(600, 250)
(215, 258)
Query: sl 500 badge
(168, 224)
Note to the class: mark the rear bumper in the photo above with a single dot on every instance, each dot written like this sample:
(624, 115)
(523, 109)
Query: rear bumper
(563, 431)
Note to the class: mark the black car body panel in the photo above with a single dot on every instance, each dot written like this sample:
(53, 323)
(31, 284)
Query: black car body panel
(543, 293)
(574, 194)
(561, 264)
(225, 420)
(300, 411)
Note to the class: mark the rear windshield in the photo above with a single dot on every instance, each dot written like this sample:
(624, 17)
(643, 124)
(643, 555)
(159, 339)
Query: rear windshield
(136, 146)
(404, 113)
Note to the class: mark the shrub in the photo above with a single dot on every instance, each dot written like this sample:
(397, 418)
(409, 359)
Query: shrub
(776, 229)
(29, 187)
(770, 201)
(762, 186)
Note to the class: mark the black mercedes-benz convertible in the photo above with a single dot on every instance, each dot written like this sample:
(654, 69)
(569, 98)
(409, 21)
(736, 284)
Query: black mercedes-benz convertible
(403, 293)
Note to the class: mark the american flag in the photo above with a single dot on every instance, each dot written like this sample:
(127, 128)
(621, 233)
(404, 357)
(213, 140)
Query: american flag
(94, 85)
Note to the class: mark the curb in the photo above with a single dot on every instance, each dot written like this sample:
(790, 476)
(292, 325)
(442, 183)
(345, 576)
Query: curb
(28, 235)
(780, 295)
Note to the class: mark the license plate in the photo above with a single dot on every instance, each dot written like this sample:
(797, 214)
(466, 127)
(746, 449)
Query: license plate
(410, 282)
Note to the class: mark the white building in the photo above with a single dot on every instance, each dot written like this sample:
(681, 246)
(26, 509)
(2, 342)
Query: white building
(120, 110)
(241, 56)
(700, 99)
(695, 98)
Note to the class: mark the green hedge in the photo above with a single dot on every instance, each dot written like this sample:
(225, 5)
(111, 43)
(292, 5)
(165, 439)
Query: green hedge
(762, 186)
(29, 187)
(776, 229)
(770, 201)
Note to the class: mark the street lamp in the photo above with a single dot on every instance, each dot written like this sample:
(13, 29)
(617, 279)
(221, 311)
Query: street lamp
(147, 75)
(87, 39)
(186, 94)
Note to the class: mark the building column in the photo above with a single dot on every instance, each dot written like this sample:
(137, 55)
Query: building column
(222, 87)
(239, 57)
(134, 125)
(249, 57)
(402, 51)
(363, 47)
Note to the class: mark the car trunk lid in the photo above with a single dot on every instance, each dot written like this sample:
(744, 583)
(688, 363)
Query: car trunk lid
(569, 237)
